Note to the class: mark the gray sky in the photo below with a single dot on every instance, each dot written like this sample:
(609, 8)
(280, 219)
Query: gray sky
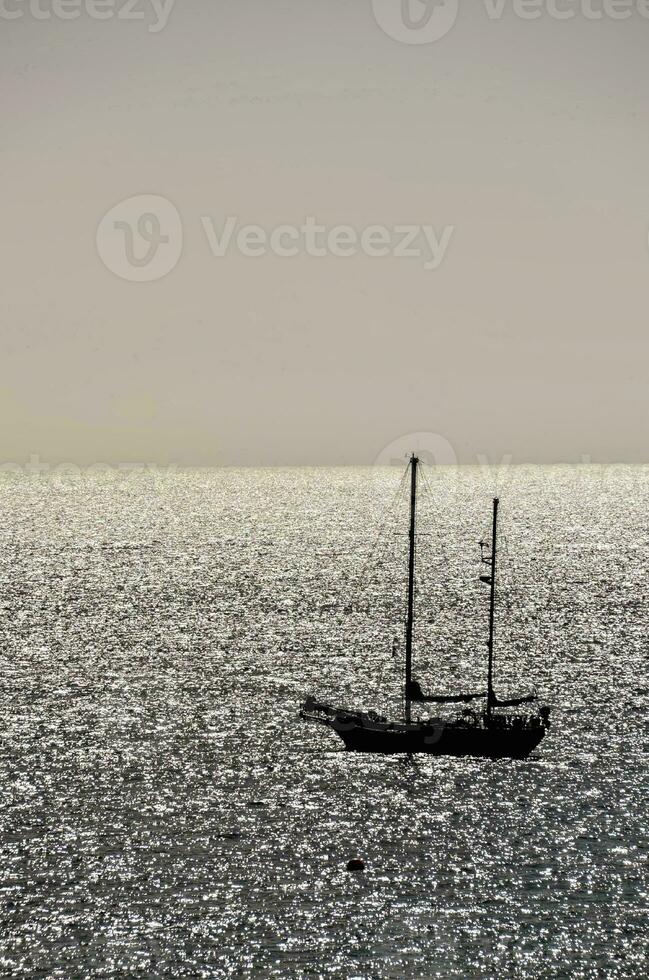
(526, 140)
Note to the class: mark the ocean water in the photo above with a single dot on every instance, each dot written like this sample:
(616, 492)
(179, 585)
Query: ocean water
(164, 811)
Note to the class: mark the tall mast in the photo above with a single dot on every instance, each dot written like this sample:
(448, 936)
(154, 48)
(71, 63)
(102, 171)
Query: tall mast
(492, 606)
(414, 462)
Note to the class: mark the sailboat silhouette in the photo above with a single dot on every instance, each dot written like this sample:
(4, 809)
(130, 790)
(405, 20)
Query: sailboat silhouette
(491, 734)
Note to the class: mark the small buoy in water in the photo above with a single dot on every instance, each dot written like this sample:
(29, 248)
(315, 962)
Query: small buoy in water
(356, 864)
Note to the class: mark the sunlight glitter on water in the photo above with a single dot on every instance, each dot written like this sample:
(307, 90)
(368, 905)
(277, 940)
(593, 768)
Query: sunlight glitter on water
(166, 813)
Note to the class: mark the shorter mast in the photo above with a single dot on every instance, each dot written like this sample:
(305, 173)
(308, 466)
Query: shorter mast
(492, 607)
(411, 582)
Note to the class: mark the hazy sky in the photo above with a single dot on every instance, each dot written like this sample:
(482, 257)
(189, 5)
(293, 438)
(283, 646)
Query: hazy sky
(522, 145)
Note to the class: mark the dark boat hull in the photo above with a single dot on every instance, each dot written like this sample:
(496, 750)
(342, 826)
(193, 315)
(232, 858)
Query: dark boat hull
(491, 743)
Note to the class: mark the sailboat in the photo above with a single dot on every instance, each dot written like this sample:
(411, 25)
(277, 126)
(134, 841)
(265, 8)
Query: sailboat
(490, 733)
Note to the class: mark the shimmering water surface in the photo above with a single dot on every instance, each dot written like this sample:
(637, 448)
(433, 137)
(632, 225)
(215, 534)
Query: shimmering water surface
(164, 811)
